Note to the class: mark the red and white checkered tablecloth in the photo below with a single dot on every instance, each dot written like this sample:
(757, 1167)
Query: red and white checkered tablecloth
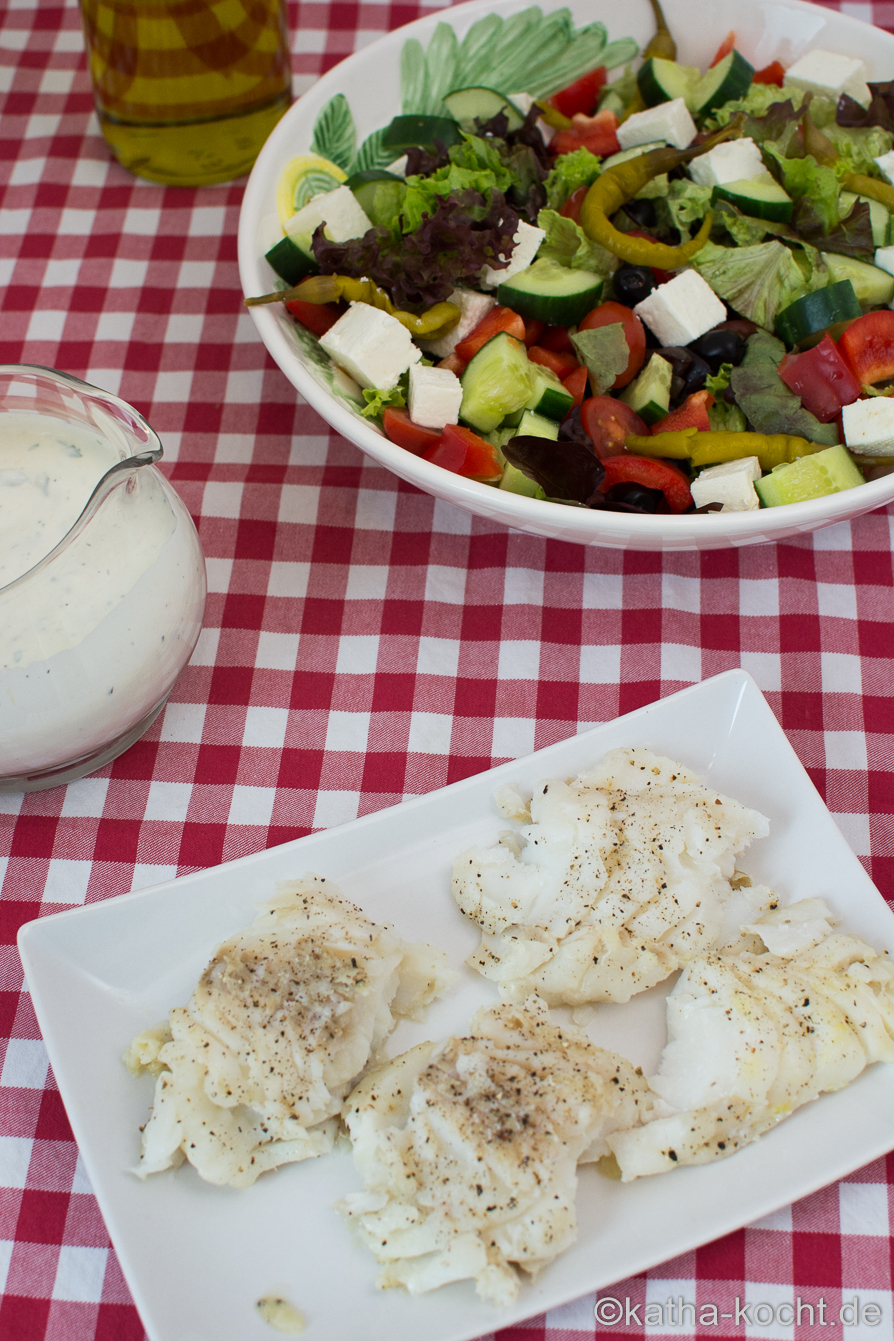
(363, 644)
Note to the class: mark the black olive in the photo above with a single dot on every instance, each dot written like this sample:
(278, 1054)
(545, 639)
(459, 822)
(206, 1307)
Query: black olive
(719, 347)
(634, 496)
(642, 212)
(697, 375)
(632, 283)
(690, 371)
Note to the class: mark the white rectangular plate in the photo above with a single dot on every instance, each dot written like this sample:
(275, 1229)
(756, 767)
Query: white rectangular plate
(197, 1257)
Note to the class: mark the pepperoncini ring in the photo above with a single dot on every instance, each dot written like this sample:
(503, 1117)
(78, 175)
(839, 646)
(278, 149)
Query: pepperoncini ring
(622, 182)
(433, 323)
(715, 446)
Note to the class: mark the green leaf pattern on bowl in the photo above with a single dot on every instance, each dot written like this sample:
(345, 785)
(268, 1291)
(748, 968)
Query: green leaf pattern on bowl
(532, 52)
(335, 135)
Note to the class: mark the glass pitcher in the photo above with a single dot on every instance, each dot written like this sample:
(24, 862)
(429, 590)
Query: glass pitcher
(103, 601)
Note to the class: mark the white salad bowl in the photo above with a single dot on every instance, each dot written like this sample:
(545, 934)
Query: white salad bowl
(371, 82)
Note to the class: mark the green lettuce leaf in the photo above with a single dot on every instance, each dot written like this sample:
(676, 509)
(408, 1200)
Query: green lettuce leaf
(858, 148)
(423, 192)
(684, 203)
(617, 96)
(605, 352)
(377, 401)
(805, 177)
(726, 418)
(579, 168)
(759, 281)
(756, 103)
(567, 243)
(765, 399)
(719, 381)
(477, 155)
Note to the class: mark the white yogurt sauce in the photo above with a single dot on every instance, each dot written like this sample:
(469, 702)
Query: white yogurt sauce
(48, 470)
(92, 641)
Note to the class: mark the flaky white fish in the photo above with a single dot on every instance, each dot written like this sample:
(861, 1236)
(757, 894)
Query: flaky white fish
(469, 1149)
(617, 878)
(288, 1014)
(752, 1037)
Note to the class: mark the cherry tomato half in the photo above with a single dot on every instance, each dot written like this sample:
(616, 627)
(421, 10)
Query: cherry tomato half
(608, 421)
(609, 314)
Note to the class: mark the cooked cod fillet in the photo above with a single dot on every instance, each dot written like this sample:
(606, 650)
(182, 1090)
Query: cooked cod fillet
(469, 1149)
(618, 878)
(288, 1014)
(752, 1037)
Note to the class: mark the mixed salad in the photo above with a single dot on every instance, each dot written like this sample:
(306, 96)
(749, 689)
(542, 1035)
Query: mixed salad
(667, 291)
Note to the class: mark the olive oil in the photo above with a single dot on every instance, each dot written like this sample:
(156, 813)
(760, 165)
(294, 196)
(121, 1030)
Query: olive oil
(187, 91)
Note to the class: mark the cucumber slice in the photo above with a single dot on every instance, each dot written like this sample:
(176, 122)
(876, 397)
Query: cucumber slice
(471, 104)
(547, 291)
(516, 482)
(548, 397)
(379, 194)
(817, 311)
(879, 217)
(729, 79)
(291, 263)
(496, 382)
(763, 198)
(410, 132)
(871, 285)
(828, 472)
(626, 154)
(662, 81)
(537, 426)
(650, 394)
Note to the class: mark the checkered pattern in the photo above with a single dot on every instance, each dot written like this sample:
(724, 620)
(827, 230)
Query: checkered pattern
(365, 643)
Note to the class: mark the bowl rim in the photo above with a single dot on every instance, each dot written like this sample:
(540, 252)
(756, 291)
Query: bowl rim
(681, 531)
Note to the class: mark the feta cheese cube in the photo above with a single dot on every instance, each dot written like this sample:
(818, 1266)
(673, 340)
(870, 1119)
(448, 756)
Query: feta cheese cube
(869, 426)
(472, 307)
(371, 346)
(681, 310)
(886, 165)
(733, 161)
(527, 241)
(337, 209)
(830, 74)
(669, 121)
(884, 259)
(731, 483)
(435, 396)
